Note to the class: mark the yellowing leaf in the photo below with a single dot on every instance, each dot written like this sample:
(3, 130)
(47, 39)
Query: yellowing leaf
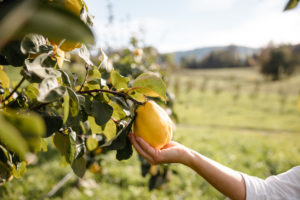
(118, 112)
(291, 4)
(109, 130)
(74, 103)
(150, 84)
(137, 96)
(19, 170)
(44, 145)
(91, 143)
(66, 107)
(94, 127)
(94, 73)
(118, 81)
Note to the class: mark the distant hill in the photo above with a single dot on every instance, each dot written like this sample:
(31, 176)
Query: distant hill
(200, 53)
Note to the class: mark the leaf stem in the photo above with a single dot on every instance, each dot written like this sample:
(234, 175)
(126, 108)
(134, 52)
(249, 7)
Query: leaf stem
(15, 89)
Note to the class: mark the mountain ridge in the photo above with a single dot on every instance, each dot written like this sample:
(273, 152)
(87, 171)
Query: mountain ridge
(201, 52)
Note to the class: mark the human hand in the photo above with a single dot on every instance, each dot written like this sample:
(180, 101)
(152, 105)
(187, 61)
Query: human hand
(172, 152)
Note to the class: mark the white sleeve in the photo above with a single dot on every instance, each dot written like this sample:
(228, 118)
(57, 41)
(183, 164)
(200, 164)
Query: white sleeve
(282, 186)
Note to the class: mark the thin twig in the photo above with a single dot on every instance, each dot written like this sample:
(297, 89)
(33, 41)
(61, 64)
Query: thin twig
(115, 121)
(120, 94)
(59, 185)
(15, 89)
(85, 78)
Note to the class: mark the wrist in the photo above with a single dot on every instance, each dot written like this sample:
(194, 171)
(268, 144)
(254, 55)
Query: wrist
(186, 156)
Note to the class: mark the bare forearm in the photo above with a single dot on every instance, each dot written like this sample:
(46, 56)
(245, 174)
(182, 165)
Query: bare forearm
(224, 179)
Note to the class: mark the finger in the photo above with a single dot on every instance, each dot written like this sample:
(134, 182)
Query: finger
(147, 148)
(139, 149)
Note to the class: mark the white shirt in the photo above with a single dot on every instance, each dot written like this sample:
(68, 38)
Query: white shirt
(283, 186)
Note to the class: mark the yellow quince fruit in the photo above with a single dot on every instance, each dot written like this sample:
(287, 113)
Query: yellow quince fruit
(153, 124)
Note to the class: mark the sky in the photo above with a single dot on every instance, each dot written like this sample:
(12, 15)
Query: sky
(174, 25)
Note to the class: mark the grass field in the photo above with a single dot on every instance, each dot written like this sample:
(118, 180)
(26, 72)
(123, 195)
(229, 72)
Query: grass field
(255, 131)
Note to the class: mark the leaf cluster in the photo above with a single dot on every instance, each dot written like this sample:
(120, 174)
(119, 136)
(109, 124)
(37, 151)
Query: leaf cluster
(86, 115)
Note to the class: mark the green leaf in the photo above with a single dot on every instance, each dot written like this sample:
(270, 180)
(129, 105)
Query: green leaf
(20, 170)
(31, 92)
(44, 145)
(74, 122)
(74, 103)
(50, 91)
(5, 156)
(69, 145)
(291, 4)
(65, 78)
(118, 112)
(12, 54)
(126, 152)
(80, 148)
(30, 125)
(72, 151)
(50, 21)
(121, 102)
(85, 54)
(101, 111)
(5, 172)
(93, 84)
(79, 166)
(104, 65)
(150, 84)
(119, 141)
(91, 143)
(94, 73)
(109, 129)
(35, 44)
(12, 138)
(66, 107)
(53, 123)
(38, 70)
(88, 105)
(137, 96)
(118, 81)
(62, 143)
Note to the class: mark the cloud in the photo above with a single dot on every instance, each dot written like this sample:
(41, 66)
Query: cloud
(209, 5)
(266, 22)
(256, 22)
(116, 35)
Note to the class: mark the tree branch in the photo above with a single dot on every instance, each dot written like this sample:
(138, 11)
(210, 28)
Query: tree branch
(15, 89)
(120, 94)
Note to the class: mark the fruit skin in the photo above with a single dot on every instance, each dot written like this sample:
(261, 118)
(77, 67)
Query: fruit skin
(153, 124)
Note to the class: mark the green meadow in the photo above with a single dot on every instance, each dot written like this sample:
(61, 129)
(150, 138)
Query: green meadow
(232, 116)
